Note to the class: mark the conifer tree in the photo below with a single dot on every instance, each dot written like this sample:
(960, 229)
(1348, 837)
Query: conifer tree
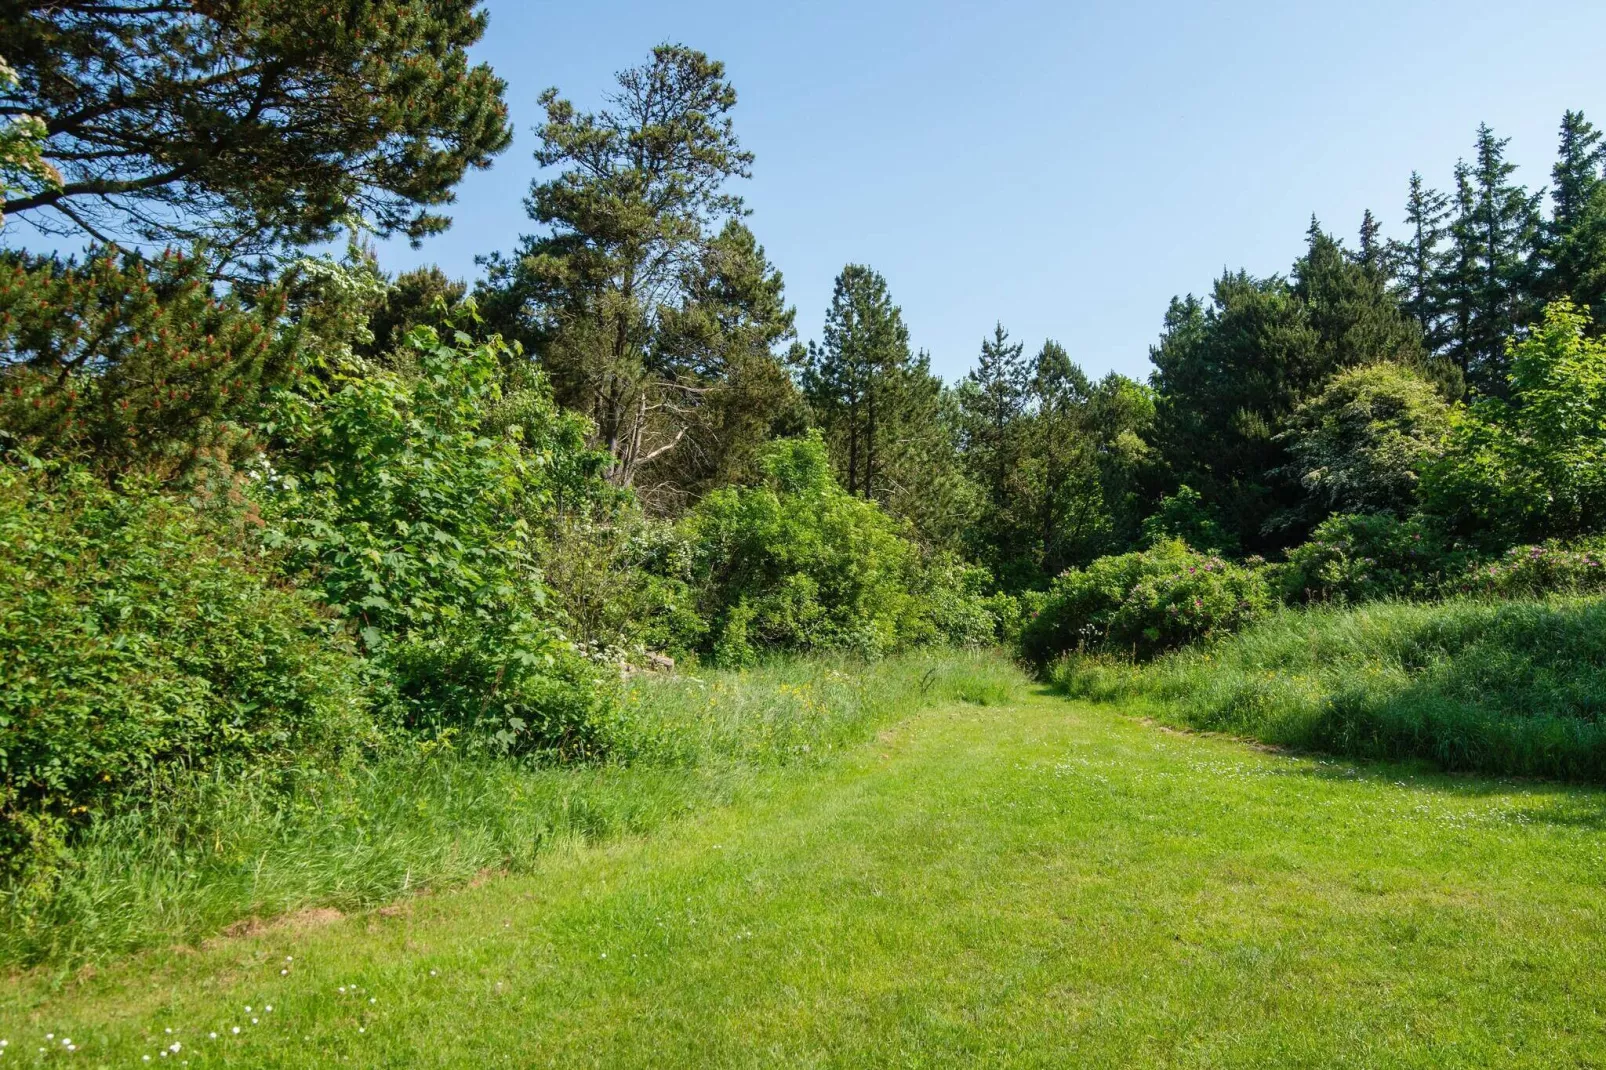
(1063, 473)
(1372, 252)
(851, 379)
(253, 124)
(644, 296)
(1504, 231)
(994, 399)
(1577, 173)
(1418, 262)
(1460, 275)
(1575, 236)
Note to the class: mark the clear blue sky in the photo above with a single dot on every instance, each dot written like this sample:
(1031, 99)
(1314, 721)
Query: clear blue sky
(1062, 167)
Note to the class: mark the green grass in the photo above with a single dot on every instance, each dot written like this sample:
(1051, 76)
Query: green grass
(1509, 688)
(1038, 883)
(201, 855)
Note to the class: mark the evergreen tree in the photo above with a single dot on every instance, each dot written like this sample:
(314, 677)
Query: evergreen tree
(1229, 377)
(252, 125)
(1575, 237)
(1497, 232)
(850, 380)
(1372, 252)
(1577, 173)
(1419, 263)
(1348, 305)
(644, 294)
(993, 401)
(1063, 477)
(1461, 276)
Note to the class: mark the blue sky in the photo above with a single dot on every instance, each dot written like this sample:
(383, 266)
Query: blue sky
(1064, 168)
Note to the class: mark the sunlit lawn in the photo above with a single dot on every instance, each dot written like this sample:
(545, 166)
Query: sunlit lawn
(1045, 884)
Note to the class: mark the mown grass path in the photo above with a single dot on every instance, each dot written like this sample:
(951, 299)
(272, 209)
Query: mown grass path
(1046, 884)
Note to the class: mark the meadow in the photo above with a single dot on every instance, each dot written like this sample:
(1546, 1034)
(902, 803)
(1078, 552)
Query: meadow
(201, 854)
(1029, 882)
(1514, 688)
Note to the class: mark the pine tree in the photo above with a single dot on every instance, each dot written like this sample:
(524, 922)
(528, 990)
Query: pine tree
(644, 294)
(995, 412)
(1062, 463)
(1577, 173)
(253, 126)
(1460, 275)
(1348, 306)
(995, 398)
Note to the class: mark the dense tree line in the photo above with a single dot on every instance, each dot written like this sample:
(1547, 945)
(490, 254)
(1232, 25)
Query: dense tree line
(467, 504)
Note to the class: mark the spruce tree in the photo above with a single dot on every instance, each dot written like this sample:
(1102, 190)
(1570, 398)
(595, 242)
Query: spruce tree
(1062, 464)
(1575, 236)
(1372, 252)
(995, 400)
(1577, 172)
(851, 380)
(1460, 276)
(1418, 263)
(1506, 234)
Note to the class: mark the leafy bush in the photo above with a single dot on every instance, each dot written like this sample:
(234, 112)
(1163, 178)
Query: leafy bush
(1144, 603)
(1186, 517)
(1361, 445)
(412, 514)
(1534, 466)
(134, 641)
(1364, 558)
(1495, 687)
(1535, 571)
(798, 564)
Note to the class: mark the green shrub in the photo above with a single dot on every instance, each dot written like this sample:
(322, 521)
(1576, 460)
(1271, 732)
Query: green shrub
(798, 564)
(1368, 557)
(1144, 603)
(1533, 466)
(1535, 571)
(411, 501)
(1185, 516)
(133, 641)
(1494, 687)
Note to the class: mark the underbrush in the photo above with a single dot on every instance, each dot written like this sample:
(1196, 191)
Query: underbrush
(202, 852)
(1510, 688)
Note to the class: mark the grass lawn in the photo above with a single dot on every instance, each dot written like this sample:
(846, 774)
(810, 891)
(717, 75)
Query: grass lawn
(1038, 884)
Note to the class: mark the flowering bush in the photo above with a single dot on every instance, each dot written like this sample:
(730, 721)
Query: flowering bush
(1526, 571)
(1364, 558)
(1144, 603)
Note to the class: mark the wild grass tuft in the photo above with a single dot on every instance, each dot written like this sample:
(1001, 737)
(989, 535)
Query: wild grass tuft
(1511, 688)
(203, 853)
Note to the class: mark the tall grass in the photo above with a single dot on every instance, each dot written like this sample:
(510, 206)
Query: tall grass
(202, 854)
(1514, 688)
